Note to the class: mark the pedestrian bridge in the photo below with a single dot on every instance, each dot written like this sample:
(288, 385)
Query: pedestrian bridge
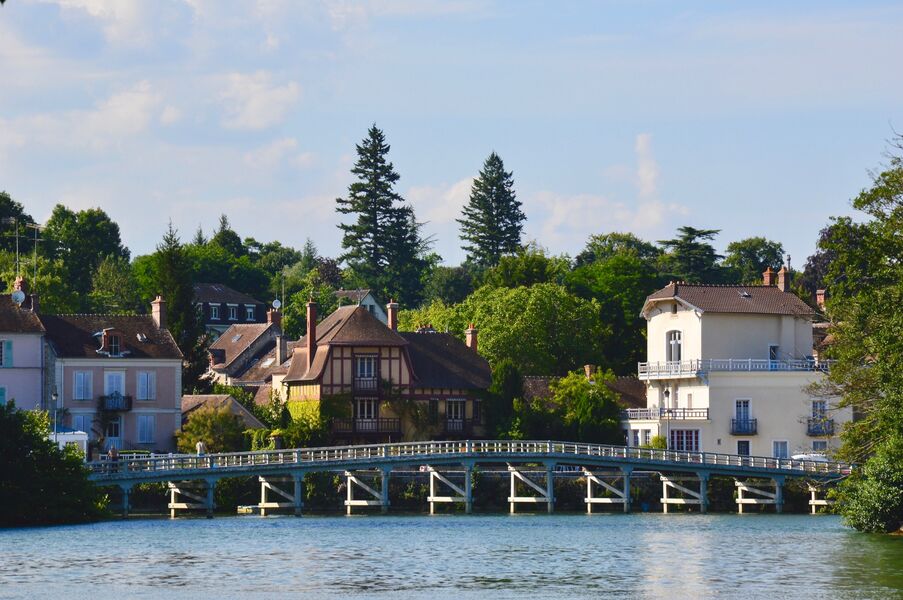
(606, 467)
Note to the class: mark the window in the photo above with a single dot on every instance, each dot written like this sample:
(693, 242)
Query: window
(477, 412)
(81, 385)
(233, 313)
(82, 423)
(365, 367)
(6, 353)
(146, 426)
(674, 308)
(672, 351)
(214, 312)
(741, 410)
(636, 437)
(773, 352)
(114, 383)
(820, 445)
(115, 345)
(114, 429)
(147, 385)
(780, 449)
(249, 313)
(647, 437)
(367, 409)
(820, 409)
(3, 395)
(454, 409)
(743, 447)
(685, 439)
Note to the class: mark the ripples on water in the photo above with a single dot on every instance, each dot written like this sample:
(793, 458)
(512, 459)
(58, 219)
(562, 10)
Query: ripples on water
(400, 557)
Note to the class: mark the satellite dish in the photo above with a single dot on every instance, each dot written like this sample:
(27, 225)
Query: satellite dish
(18, 297)
(277, 304)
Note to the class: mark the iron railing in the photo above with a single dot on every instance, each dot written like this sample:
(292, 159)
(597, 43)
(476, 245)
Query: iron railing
(114, 402)
(744, 426)
(366, 384)
(692, 368)
(820, 426)
(357, 425)
(677, 414)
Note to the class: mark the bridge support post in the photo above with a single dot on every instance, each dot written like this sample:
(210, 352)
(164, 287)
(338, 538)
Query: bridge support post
(381, 497)
(468, 486)
(463, 495)
(619, 495)
(211, 484)
(689, 497)
(270, 484)
(126, 491)
(747, 494)
(200, 492)
(703, 492)
(550, 488)
(778, 494)
(298, 492)
(546, 496)
(815, 502)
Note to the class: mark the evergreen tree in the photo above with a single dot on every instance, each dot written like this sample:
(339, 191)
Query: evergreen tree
(383, 245)
(690, 257)
(492, 222)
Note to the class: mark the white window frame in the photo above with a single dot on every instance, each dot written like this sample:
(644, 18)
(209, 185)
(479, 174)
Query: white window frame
(87, 418)
(214, 312)
(371, 409)
(774, 448)
(460, 404)
(118, 338)
(250, 312)
(85, 388)
(748, 408)
(695, 435)
(149, 381)
(146, 434)
(233, 311)
(823, 445)
(822, 412)
(365, 359)
(673, 338)
(106, 382)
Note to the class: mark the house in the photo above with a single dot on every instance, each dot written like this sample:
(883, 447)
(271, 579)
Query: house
(193, 402)
(243, 346)
(727, 371)
(22, 358)
(380, 384)
(220, 307)
(363, 298)
(117, 377)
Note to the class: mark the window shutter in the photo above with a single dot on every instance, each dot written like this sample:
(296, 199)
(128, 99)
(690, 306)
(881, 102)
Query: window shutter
(3, 396)
(142, 385)
(151, 385)
(8, 353)
(89, 383)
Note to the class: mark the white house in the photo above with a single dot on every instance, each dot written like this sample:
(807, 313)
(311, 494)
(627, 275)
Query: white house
(727, 371)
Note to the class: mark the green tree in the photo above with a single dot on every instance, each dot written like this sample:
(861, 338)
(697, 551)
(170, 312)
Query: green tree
(528, 266)
(492, 221)
(12, 221)
(218, 428)
(748, 258)
(294, 319)
(39, 483)
(114, 289)
(600, 247)
(226, 238)
(507, 386)
(448, 284)
(590, 409)
(690, 257)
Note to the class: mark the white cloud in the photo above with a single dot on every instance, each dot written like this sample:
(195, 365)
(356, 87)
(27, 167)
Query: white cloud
(252, 101)
(277, 153)
(124, 21)
(647, 168)
(170, 115)
(442, 204)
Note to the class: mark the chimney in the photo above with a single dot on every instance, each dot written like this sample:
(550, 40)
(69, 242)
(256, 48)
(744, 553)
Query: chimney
(392, 311)
(784, 279)
(311, 332)
(470, 337)
(590, 371)
(158, 312)
(820, 299)
(768, 277)
(281, 349)
(274, 317)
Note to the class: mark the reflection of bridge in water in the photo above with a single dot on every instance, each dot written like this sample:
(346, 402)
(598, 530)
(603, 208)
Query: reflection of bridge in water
(607, 469)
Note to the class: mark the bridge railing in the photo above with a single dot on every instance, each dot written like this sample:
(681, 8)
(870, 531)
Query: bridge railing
(535, 450)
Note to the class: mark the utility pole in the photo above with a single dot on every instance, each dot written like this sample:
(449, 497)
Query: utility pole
(36, 228)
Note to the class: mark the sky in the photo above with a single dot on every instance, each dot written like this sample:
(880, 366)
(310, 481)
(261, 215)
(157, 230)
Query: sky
(758, 119)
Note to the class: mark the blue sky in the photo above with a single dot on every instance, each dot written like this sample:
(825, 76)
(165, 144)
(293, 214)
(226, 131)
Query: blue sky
(754, 118)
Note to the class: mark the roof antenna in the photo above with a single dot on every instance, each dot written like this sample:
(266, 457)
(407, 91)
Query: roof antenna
(788, 262)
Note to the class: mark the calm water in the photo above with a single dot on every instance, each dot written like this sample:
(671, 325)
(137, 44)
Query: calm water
(399, 557)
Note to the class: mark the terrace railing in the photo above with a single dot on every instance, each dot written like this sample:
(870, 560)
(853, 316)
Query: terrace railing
(654, 414)
(692, 368)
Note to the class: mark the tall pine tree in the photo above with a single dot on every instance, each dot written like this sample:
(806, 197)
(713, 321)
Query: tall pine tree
(492, 221)
(383, 245)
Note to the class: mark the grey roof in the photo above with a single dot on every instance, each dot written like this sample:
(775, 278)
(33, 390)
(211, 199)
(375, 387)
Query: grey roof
(748, 299)
(219, 292)
(440, 360)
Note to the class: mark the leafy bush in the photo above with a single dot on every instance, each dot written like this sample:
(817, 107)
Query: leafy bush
(872, 500)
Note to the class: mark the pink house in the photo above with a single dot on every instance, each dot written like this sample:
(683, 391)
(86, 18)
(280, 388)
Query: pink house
(22, 356)
(118, 377)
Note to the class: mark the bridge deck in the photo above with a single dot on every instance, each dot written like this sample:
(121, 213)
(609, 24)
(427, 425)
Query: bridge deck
(129, 471)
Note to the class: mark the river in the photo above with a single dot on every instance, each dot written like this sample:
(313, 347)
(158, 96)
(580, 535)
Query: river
(477, 556)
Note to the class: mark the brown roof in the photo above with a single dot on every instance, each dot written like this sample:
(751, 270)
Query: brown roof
(264, 367)
(749, 299)
(15, 319)
(440, 360)
(354, 295)
(262, 395)
(218, 292)
(193, 402)
(236, 339)
(78, 336)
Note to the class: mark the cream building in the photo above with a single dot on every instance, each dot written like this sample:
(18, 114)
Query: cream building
(727, 372)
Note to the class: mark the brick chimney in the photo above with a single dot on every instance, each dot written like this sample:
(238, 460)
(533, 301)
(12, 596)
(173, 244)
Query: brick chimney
(281, 349)
(820, 299)
(784, 279)
(274, 317)
(470, 337)
(392, 312)
(768, 277)
(311, 332)
(158, 312)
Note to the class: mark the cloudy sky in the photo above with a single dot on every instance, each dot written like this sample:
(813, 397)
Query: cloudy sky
(753, 118)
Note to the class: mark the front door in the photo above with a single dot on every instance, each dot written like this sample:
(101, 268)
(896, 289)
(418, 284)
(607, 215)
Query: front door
(367, 412)
(113, 434)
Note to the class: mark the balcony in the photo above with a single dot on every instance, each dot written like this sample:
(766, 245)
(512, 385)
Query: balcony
(115, 402)
(366, 426)
(461, 427)
(820, 427)
(699, 367)
(654, 414)
(366, 384)
(744, 427)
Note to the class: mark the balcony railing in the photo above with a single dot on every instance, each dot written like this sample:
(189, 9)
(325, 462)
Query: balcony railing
(114, 402)
(366, 384)
(817, 427)
(665, 413)
(744, 427)
(381, 425)
(693, 368)
(458, 426)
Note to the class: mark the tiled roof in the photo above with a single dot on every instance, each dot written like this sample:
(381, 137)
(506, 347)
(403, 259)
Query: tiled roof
(193, 402)
(77, 336)
(440, 360)
(236, 339)
(748, 299)
(264, 367)
(218, 292)
(353, 295)
(15, 319)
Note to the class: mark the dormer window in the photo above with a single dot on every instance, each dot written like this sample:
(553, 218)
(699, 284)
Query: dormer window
(674, 308)
(249, 313)
(115, 345)
(214, 311)
(233, 313)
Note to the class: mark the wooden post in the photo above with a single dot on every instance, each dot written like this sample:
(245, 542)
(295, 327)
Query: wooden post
(703, 492)
(550, 488)
(432, 492)
(813, 498)
(513, 489)
(626, 473)
(211, 484)
(172, 502)
(349, 483)
(384, 492)
(778, 494)
(468, 486)
(664, 497)
(739, 500)
(126, 490)
(263, 497)
(299, 492)
(589, 493)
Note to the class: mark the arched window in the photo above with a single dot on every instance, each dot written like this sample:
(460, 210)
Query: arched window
(672, 350)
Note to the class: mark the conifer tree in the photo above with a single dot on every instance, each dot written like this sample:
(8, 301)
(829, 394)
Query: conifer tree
(383, 245)
(492, 221)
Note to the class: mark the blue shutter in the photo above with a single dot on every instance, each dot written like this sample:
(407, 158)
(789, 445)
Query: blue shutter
(8, 353)
(3, 396)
